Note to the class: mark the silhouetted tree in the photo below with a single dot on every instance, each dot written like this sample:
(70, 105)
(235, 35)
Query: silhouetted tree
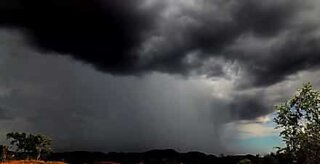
(3, 152)
(299, 121)
(31, 145)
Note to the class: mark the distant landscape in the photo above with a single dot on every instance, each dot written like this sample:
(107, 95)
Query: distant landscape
(167, 156)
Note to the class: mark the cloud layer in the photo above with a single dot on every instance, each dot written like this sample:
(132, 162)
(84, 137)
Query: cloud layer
(266, 41)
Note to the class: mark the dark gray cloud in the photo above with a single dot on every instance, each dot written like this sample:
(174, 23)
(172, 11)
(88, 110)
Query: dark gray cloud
(4, 113)
(249, 107)
(132, 37)
(294, 52)
(99, 32)
(241, 106)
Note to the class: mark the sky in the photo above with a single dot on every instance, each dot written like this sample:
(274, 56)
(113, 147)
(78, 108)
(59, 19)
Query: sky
(136, 75)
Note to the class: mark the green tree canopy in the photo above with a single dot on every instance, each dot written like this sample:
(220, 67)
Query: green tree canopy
(299, 121)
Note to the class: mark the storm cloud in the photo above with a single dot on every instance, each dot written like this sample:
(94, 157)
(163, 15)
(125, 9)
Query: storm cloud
(178, 37)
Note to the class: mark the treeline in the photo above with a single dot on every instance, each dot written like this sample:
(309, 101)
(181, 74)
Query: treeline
(167, 156)
(25, 146)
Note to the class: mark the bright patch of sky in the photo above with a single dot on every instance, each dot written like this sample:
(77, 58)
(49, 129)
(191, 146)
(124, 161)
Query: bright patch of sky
(261, 145)
(256, 137)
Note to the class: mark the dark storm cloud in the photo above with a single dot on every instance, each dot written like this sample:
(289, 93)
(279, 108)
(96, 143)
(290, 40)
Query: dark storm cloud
(132, 37)
(99, 32)
(265, 18)
(241, 106)
(296, 51)
(213, 37)
(249, 107)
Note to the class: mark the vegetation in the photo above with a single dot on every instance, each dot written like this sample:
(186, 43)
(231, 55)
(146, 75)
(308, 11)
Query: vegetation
(245, 161)
(30, 145)
(299, 121)
(26, 149)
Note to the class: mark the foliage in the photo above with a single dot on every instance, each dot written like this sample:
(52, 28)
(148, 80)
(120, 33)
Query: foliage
(245, 161)
(31, 145)
(299, 121)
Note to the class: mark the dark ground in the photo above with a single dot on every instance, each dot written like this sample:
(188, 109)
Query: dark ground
(167, 156)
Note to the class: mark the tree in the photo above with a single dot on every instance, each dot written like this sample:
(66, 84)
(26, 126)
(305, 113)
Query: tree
(3, 152)
(18, 141)
(30, 145)
(39, 144)
(299, 121)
